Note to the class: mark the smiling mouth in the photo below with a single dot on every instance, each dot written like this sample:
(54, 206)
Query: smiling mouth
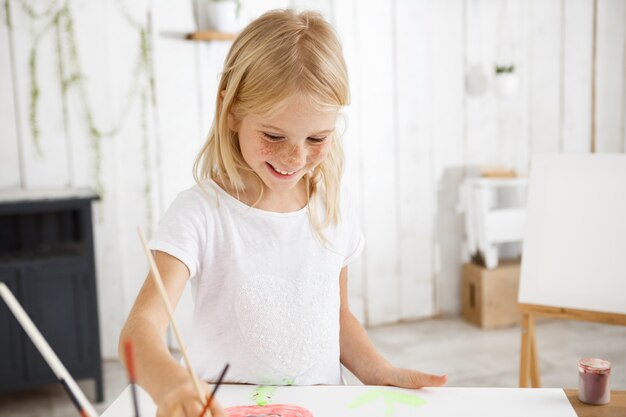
(281, 172)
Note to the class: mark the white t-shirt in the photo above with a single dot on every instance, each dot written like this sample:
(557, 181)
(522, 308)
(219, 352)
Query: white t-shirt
(266, 291)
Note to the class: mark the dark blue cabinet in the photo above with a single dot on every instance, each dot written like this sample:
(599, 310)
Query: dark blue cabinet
(11, 343)
(47, 260)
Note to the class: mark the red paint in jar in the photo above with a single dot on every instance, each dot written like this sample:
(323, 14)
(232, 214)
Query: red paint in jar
(593, 381)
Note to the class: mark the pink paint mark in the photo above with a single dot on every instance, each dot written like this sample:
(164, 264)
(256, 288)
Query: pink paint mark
(273, 410)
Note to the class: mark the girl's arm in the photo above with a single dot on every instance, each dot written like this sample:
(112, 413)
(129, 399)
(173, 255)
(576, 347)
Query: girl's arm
(167, 382)
(359, 355)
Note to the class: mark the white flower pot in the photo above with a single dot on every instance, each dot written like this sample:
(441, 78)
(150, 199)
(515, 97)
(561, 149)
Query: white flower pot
(506, 84)
(476, 81)
(200, 14)
(222, 16)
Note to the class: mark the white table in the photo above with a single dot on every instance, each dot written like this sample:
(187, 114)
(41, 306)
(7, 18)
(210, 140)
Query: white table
(347, 401)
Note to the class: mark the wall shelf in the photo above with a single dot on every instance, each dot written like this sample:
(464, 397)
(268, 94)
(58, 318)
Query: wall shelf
(211, 35)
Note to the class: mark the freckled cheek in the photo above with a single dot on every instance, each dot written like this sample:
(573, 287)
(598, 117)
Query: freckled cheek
(267, 150)
(315, 154)
(318, 153)
(271, 150)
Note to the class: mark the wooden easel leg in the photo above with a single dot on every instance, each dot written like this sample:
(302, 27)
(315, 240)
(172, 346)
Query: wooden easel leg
(529, 359)
(534, 358)
(524, 367)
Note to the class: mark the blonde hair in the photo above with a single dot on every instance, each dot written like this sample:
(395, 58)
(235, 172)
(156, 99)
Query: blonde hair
(277, 55)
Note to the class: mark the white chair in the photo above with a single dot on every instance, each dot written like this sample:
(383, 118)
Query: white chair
(491, 217)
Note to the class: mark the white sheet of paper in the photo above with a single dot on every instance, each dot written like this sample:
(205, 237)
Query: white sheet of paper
(334, 401)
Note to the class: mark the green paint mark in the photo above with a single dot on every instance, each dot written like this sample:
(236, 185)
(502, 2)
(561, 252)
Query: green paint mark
(390, 398)
(262, 395)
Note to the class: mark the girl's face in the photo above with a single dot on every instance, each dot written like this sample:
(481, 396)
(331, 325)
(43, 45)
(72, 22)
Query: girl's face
(282, 147)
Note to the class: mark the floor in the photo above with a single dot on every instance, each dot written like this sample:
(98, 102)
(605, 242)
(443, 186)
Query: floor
(470, 356)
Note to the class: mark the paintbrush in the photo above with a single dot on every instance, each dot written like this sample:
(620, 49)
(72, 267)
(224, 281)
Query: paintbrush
(217, 385)
(159, 283)
(130, 366)
(76, 395)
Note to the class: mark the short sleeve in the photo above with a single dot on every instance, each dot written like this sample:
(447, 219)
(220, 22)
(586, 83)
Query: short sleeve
(355, 240)
(182, 232)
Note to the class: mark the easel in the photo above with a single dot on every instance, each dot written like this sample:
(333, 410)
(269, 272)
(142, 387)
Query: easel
(529, 361)
(573, 266)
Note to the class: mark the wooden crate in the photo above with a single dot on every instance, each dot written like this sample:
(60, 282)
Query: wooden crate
(490, 296)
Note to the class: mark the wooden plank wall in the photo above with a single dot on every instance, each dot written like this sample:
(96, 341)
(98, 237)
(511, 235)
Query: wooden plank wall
(412, 133)
(434, 134)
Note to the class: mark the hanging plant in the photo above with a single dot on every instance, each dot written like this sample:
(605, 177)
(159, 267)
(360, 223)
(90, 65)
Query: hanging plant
(71, 78)
(506, 69)
(506, 82)
(32, 62)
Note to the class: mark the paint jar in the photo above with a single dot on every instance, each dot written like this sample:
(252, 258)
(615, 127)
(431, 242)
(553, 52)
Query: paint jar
(593, 381)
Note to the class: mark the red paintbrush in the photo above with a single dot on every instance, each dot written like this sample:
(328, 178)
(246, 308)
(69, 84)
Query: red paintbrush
(130, 366)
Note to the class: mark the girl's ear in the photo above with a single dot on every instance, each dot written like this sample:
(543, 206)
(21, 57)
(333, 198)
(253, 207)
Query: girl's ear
(232, 123)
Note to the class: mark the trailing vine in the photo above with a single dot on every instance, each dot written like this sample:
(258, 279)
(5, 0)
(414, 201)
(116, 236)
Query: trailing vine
(7, 15)
(141, 88)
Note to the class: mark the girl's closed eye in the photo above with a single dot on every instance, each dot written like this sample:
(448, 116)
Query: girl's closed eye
(319, 140)
(273, 138)
(278, 138)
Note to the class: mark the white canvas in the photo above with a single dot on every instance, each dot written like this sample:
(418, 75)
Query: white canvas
(575, 241)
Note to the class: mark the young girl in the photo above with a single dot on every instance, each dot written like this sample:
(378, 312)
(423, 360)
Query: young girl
(266, 234)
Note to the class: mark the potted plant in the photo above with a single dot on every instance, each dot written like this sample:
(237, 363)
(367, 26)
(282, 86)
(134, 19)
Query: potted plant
(506, 81)
(218, 15)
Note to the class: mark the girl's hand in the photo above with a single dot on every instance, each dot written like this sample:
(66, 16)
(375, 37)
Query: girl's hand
(408, 378)
(182, 401)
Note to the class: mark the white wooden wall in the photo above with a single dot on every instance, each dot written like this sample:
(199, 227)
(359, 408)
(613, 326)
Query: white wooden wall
(413, 133)
(419, 134)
